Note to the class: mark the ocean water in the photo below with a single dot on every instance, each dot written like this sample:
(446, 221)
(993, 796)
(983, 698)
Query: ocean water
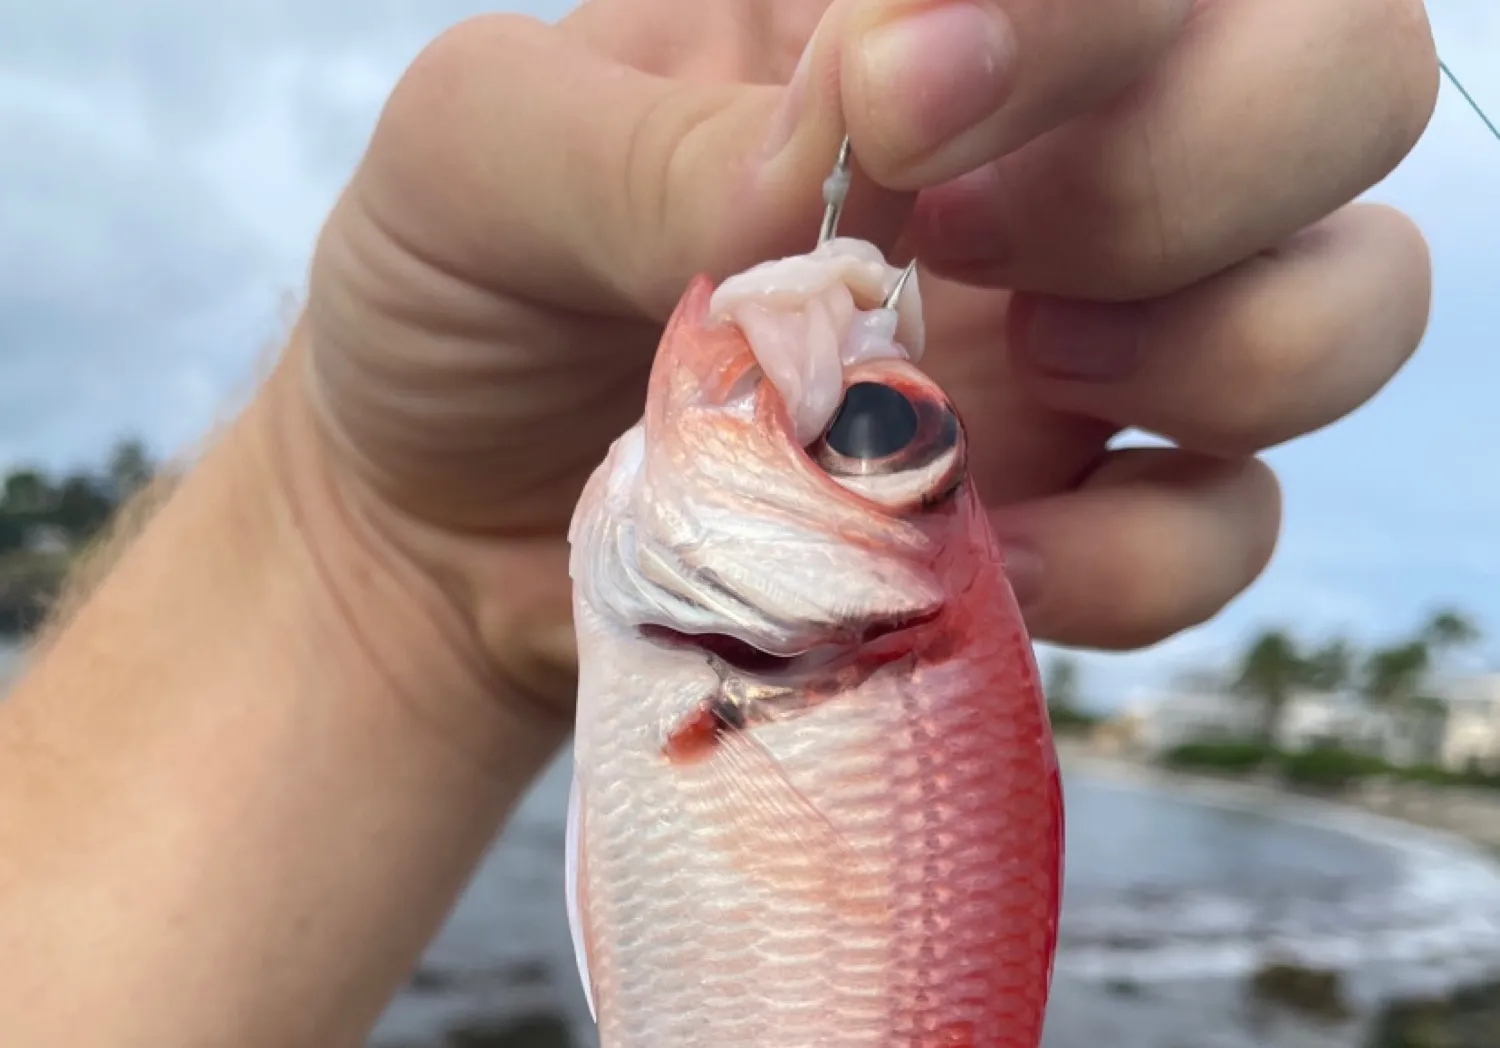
(1171, 900)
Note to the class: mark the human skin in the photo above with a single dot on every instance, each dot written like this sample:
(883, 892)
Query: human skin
(249, 772)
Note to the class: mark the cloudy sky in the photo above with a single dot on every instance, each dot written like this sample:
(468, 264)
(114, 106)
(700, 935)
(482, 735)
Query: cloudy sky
(166, 164)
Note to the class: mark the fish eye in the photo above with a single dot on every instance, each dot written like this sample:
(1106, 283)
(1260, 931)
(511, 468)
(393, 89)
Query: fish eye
(874, 420)
(894, 443)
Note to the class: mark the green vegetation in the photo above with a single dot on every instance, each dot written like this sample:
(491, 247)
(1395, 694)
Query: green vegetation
(1319, 768)
(1398, 676)
(1468, 1017)
(45, 519)
(1331, 768)
(1271, 669)
(1317, 993)
(1222, 757)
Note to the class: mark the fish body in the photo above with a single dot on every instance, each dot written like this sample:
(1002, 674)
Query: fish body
(816, 802)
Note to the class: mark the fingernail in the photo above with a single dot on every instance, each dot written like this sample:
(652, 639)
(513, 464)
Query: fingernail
(933, 74)
(1094, 341)
(1023, 570)
(960, 223)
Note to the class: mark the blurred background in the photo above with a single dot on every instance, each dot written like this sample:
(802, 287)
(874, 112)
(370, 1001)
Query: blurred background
(1283, 827)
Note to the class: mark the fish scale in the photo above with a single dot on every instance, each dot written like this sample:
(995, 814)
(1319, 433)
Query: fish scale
(872, 865)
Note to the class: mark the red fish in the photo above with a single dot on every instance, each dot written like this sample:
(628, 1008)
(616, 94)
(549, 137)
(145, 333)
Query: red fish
(816, 801)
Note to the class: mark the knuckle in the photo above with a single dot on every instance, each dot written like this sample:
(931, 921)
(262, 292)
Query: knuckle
(1121, 205)
(662, 158)
(1412, 71)
(441, 78)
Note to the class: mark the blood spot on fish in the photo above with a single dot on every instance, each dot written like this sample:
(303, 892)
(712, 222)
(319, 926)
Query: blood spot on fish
(697, 735)
(956, 1035)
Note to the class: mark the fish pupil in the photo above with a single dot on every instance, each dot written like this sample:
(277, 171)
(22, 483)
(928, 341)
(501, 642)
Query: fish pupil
(873, 421)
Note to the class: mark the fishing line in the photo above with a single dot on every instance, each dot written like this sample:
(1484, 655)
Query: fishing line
(1474, 105)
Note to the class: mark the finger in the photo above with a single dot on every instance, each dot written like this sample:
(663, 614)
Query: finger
(1281, 345)
(515, 156)
(1265, 116)
(1156, 540)
(1014, 68)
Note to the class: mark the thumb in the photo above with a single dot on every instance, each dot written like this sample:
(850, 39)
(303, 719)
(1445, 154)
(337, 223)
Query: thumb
(517, 157)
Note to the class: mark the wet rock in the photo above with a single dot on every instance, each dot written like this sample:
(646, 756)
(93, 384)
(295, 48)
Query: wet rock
(542, 1030)
(1313, 992)
(430, 980)
(1123, 987)
(528, 973)
(1466, 1018)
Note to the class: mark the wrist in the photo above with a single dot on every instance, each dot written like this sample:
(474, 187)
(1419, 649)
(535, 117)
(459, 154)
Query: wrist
(270, 730)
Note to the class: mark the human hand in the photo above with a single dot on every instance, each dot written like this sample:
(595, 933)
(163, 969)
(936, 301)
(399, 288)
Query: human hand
(487, 296)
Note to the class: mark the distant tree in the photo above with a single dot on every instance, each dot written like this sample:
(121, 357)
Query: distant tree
(1394, 675)
(1395, 679)
(1449, 629)
(1400, 677)
(1331, 666)
(82, 507)
(1060, 681)
(1271, 669)
(12, 533)
(27, 492)
(130, 468)
(1447, 633)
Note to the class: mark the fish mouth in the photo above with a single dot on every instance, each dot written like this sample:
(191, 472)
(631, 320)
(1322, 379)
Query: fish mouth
(892, 635)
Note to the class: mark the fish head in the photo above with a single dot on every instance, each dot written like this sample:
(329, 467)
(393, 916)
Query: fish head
(738, 515)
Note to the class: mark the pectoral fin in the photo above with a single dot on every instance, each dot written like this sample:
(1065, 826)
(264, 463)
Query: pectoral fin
(774, 831)
(574, 889)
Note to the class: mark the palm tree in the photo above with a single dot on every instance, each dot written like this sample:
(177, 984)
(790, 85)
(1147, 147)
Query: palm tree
(1394, 675)
(1449, 629)
(1394, 680)
(1330, 668)
(27, 492)
(1060, 684)
(1270, 670)
(129, 468)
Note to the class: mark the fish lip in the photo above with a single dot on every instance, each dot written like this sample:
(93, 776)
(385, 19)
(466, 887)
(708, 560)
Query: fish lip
(839, 647)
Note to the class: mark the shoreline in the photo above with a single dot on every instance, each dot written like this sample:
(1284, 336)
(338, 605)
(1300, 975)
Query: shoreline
(1452, 815)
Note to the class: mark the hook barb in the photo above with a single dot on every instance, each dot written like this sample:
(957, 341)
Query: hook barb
(893, 299)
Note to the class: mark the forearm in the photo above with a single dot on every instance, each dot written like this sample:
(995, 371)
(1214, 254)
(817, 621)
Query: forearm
(241, 787)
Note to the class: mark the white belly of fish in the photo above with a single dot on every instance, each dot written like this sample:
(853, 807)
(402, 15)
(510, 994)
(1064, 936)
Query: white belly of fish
(707, 926)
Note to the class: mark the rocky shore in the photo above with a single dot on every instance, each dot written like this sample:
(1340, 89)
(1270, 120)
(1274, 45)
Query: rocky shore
(1467, 1016)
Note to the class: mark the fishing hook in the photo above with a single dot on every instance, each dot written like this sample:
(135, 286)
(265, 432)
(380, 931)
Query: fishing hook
(835, 192)
(892, 299)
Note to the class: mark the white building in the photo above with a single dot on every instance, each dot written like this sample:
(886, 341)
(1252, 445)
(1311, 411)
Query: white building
(1471, 733)
(1312, 719)
(1464, 733)
(1176, 718)
(1308, 720)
